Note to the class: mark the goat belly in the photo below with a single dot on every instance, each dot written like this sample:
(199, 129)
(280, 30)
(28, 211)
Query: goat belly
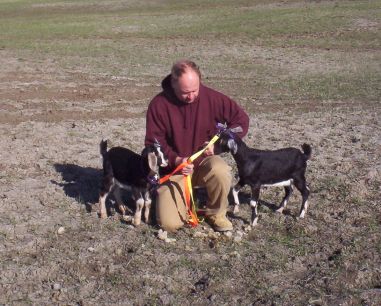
(137, 183)
(279, 184)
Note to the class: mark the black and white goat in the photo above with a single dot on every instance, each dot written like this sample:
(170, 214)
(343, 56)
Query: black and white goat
(284, 167)
(123, 168)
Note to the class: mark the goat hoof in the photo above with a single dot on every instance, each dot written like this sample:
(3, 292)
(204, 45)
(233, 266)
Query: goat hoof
(254, 223)
(136, 222)
(280, 210)
(235, 210)
(103, 216)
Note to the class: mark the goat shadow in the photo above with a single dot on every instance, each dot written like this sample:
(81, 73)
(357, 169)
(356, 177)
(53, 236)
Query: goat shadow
(83, 183)
(80, 183)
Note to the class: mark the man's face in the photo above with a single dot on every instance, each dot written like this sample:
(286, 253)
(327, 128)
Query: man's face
(187, 86)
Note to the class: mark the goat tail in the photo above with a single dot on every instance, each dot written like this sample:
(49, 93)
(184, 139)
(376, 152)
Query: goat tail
(307, 150)
(107, 167)
(103, 147)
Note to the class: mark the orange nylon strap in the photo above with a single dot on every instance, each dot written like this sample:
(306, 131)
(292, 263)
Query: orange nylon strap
(193, 219)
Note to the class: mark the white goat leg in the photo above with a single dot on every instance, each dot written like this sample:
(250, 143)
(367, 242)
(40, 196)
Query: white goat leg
(147, 206)
(138, 213)
(102, 206)
(304, 210)
(236, 201)
(254, 212)
(304, 207)
(285, 200)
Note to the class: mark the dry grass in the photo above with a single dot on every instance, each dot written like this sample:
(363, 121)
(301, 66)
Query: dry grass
(305, 71)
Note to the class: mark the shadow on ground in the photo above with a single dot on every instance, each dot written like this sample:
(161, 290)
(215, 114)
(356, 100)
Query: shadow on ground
(80, 183)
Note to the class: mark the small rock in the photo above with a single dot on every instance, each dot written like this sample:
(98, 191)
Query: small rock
(371, 176)
(237, 239)
(212, 297)
(118, 252)
(228, 234)
(60, 230)
(91, 249)
(169, 240)
(235, 254)
(162, 235)
(213, 235)
(199, 235)
(56, 286)
(247, 228)
(224, 257)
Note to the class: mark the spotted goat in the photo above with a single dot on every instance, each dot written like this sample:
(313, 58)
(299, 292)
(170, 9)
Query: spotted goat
(125, 169)
(256, 168)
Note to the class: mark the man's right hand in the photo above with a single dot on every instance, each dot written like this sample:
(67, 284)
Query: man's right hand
(188, 169)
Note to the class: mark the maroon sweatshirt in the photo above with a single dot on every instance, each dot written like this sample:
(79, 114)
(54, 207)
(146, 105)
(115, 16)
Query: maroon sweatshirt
(183, 128)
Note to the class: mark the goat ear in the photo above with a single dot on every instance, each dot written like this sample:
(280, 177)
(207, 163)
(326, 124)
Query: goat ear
(232, 145)
(237, 129)
(152, 161)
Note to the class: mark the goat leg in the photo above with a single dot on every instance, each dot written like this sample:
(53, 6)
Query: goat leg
(304, 207)
(301, 185)
(288, 190)
(102, 205)
(147, 206)
(254, 205)
(139, 201)
(106, 187)
(119, 202)
(236, 190)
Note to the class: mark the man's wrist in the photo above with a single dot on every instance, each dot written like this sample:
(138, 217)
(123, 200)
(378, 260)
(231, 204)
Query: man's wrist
(178, 160)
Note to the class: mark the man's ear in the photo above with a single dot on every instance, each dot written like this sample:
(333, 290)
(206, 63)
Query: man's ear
(152, 161)
(232, 145)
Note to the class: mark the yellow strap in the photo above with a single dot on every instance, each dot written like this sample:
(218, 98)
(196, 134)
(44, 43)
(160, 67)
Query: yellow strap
(193, 215)
(197, 154)
(189, 180)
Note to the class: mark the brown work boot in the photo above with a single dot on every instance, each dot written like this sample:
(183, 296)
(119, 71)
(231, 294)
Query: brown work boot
(219, 223)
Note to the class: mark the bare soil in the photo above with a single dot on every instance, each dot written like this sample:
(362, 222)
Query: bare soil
(55, 250)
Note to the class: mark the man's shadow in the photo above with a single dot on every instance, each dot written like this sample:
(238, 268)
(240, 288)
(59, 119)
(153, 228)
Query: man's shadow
(80, 183)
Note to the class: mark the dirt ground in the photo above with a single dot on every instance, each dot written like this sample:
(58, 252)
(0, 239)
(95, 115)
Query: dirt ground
(54, 250)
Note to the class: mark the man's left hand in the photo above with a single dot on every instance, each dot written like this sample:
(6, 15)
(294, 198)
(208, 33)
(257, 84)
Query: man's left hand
(210, 150)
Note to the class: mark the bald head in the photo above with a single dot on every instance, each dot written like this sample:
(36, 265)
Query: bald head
(185, 78)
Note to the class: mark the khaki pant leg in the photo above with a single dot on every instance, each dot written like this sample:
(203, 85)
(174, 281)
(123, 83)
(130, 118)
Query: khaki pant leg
(214, 174)
(171, 212)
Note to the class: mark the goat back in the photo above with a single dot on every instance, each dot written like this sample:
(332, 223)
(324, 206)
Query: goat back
(126, 165)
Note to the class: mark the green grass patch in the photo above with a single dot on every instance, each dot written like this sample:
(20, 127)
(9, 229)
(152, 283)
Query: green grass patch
(336, 86)
(294, 25)
(141, 39)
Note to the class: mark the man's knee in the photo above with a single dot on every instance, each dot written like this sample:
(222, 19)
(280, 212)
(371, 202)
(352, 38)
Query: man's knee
(216, 167)
(170, 210)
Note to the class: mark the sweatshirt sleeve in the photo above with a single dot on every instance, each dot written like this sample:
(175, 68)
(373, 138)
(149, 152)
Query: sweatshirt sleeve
(156, 130)
(234, 115)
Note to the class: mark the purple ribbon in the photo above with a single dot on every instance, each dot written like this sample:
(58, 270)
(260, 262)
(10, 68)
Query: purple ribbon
(222, 128)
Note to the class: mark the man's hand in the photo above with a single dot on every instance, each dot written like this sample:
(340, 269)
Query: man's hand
(188, 169)
(210, 150)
